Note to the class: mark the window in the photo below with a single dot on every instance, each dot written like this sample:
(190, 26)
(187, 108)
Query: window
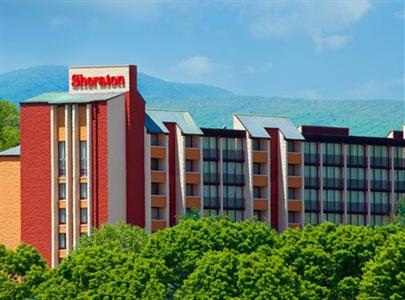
(83, 158)
(258, 192)
(83, 191)
(356, 155)
(233, 173)
(62, 191)
(155, 164)
(311, 153)
(62, 159)
(62, 216)
(293, 146)
(292, 170)
(210, 148)
(83, 215)
(191, 166)
(156, 189)
(259, 215)
(190, 190)
(293, 194)
(311, 200)
(259, 144)
(211, 199)
(157, 213)
(333, 218)
(154, 140)
(294, 217)
(311, 218)
(332, 154)
(234, 215)
(233, 197)
(190, 141)
(62, 241)
(257, 169)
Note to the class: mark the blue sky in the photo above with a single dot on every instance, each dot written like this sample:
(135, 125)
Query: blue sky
(309, 49)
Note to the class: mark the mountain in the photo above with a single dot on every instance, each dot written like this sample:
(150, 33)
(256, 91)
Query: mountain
(213, 107)
(22, 84)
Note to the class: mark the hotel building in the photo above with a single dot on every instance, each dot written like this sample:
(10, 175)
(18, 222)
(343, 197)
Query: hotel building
(95, 155)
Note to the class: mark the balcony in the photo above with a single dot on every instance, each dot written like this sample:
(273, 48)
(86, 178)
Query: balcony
(333, 183)
(294, 182)
(211, 203)
(260, 204)
(379, 162)
(357, 184)
(234, 203)
(158, 201)
(158, 152)
(193, 153)
(211, 178)
(210, 154)
(294, 205)
(158, 225)
(311, 159)
(158, 176)
(333, 207)
(356, 161)
(233, 179)
(311, 182)
(356, 208)
(193, 178)
(260, 156)
(332, 160)
(380, 185)
(312, 206)
(399, 186)
(233, 155)
(380, 208)
(260, 180)
(294, 158)
(193, 202)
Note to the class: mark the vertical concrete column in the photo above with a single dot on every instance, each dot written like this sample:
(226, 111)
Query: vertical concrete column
(320, 149)
(148, 196)
(368, 195)
(344, 177)
(54, 187)
(200, 138)
(75, 175)
(180, 172)
(248, 173)
(302, 184)
(166, 143)
(391, 178)
(68, 145)
(268, 166)
(220, 172)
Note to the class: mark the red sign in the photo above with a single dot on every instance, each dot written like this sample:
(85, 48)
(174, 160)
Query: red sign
(78, 80)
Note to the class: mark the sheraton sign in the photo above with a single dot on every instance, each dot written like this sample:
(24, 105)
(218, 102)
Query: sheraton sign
(81, 81)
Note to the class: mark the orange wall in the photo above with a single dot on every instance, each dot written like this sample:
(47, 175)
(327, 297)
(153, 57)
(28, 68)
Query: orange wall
(10, 216)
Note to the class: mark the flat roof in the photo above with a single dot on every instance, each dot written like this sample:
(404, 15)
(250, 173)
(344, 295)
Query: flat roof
(64, 98)
(155, 119)
(15, 151)
(256, 126)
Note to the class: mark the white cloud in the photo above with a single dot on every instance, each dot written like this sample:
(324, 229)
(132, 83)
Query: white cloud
(308, 94)
(331, 42)
(381, 89)
(262, 69)
(196, 66)
(286, 19)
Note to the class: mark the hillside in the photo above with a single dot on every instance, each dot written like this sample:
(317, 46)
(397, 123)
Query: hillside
(214, 107)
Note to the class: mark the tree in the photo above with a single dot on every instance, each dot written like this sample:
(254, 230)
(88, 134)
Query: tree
(9, 122)
(399, 212)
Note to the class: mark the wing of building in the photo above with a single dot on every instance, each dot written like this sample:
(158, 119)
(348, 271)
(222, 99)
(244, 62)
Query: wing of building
(95, 155)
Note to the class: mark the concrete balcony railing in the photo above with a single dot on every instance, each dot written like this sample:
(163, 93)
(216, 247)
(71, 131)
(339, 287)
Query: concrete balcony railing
(193, 153)
(193, 177)
(294, 205)
(158, 225)
(158, 201)
(193, 202)
(158, 152)
(294, 181)
(260, 204)
(259, 156)
(294, 158)
(260, 180)
(158, 176)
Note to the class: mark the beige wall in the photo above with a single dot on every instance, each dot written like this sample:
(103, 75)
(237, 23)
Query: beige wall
(10, 216)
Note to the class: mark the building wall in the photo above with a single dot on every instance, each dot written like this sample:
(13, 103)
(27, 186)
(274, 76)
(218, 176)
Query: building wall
(10, 215)
(36, 177)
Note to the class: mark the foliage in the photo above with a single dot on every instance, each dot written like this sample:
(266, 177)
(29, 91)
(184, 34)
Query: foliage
(399, 213)
(214, 258)
(9, 122)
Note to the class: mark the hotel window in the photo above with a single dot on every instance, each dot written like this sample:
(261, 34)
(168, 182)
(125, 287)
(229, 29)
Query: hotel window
(211, 212)
(379, 202)
(378, 220)
(332, 201)
(356, 178)
(191, 190)
(191, 141)
(311, 153)
(83, 158)
(293, 170)
(210, 175)
(311, 218)
(154, 140)
(356, 155)
(293, 194)
(311, 200)
(334, 218)
(259, 215)
(294, 217)
(379, 179)
(156, 164)
(293, 146)
(232, 149)
(332, 178)
(83, 215)
(191, 166)
(332, 154)
(399, 180)
(258, 169)
(399, 158)
(62, 159)
(379, 156)
(157, 213)
(211, 198)
(356, 202)
(259, 144)
(62, 241)
(83, 191)
(156, 189)
(233, 202)
(210, 148)
(62, 191)
(258, 192)
(311, 177)
(62, 216)
(356, 219)
(233, 173)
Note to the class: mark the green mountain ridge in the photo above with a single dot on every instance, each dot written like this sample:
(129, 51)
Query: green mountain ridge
(214, 107)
